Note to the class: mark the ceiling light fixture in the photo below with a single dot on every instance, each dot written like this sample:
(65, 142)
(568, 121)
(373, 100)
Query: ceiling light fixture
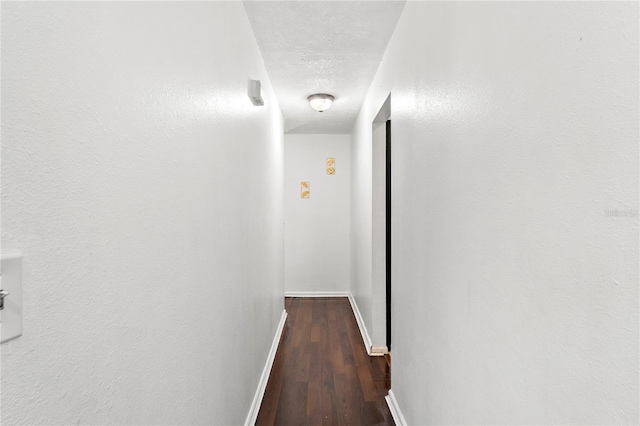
(320, 101)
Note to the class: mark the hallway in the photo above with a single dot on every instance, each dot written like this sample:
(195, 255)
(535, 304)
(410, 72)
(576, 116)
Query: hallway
(166, 183)
(322, 373)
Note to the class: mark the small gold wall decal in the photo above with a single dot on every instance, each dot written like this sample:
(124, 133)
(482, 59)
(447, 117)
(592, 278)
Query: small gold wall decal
(331, 166)
(304, 189)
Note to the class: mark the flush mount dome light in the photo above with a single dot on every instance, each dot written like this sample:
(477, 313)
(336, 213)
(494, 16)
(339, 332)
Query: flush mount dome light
(320, 101)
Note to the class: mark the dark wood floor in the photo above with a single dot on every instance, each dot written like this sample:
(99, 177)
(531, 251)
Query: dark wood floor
(322, 374)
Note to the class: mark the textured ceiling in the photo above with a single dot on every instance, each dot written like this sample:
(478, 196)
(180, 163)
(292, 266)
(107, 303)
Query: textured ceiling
(330, 47)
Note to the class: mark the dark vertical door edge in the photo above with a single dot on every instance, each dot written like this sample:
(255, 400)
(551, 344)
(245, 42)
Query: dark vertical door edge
(388, 238)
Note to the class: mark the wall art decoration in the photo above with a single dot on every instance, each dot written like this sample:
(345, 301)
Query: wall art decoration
(331, 166)
(305, 190)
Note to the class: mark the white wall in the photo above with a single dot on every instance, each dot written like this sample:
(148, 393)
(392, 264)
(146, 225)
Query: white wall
(133, 170)
(515, 211)
(377, 325)
(317, 228)
(361, 220)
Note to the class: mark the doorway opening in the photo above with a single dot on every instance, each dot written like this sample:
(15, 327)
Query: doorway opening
(381, 230)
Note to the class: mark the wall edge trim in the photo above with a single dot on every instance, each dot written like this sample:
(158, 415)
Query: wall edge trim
(252, 416)
(316, 294)
(363, 328)
(379, 350)
(396, 413)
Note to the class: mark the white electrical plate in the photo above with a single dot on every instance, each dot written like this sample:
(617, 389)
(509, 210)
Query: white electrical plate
(11, 281)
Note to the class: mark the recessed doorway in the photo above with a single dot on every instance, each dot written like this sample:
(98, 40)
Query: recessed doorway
(381, 230)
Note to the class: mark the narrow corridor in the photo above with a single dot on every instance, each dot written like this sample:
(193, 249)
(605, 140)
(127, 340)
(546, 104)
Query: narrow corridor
(322, 373)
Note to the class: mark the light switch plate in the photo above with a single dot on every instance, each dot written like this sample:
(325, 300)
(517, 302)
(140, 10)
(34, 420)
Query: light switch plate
(11, 281)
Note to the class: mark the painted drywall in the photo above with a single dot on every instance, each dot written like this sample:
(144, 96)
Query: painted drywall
(515, 211)
(361, 223)
(377, 327)
(145, 193)
(316, 229)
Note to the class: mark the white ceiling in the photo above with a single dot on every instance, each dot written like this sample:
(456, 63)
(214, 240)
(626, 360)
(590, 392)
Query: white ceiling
(330, 47)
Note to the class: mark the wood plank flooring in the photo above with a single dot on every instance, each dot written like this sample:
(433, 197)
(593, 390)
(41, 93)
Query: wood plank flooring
(322, 374)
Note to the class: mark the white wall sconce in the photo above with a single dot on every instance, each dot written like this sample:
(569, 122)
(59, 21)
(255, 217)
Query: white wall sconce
(320, 101)
(255, 92)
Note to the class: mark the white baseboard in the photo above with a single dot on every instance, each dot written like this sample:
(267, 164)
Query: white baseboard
(262, 384)
(398, 418)
(379, 350)
(363, 329)
(316, 294)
